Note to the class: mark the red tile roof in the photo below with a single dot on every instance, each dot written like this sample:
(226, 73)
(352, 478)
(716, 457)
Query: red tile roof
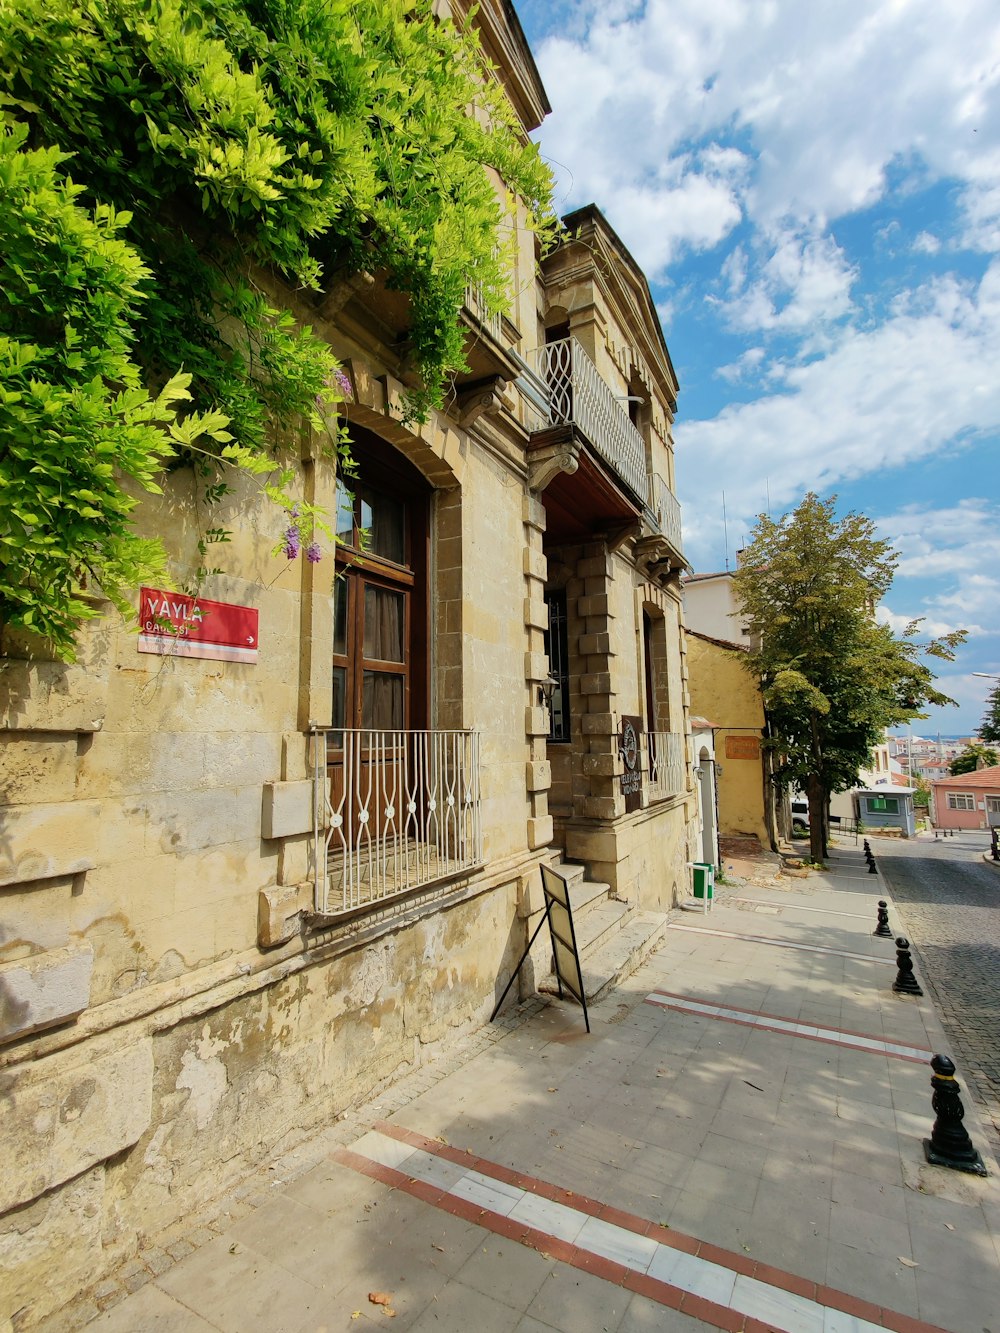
(982, 777)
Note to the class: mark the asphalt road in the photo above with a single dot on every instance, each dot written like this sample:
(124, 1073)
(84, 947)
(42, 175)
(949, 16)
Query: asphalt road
(949, 901)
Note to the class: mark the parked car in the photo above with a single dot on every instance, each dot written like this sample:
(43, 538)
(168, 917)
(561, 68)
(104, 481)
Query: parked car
(800, 818)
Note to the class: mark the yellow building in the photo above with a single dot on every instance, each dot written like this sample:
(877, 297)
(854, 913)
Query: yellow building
(723, 690)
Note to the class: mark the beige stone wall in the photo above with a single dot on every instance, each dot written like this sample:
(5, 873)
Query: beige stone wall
(155, 856)
(114, 1137)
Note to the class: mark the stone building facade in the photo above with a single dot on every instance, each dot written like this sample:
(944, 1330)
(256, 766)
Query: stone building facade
(239, 891)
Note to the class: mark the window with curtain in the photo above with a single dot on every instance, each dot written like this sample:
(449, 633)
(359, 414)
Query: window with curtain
(379, 598)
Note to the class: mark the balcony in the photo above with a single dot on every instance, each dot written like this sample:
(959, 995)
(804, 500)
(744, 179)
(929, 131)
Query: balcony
(394, 811)
(579, 397)
(665, 510)
(665, 754)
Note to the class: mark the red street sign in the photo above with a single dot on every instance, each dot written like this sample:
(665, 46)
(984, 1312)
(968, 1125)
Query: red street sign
(172, 624)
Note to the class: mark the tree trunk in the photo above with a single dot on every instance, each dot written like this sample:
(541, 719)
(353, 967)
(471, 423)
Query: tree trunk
(817, 804)
(817, 796)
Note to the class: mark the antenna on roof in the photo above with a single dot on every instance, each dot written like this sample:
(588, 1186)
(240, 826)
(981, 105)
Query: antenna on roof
(725, 528)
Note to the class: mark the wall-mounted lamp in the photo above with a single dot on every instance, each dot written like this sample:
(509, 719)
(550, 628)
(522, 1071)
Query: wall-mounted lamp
(546, 690)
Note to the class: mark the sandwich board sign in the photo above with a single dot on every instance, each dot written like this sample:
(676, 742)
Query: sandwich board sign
(565, 955)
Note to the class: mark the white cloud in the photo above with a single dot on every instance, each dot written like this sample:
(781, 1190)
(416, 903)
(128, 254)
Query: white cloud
(804, 282)
(877, 399)
(827, 97)
(926, 244)
(745, 366)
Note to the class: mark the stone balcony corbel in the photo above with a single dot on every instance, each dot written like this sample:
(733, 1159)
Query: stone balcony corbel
(340, 292)
(484, 398)
(548, 460)
(654, 556)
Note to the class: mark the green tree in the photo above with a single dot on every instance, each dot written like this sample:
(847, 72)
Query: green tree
(166, 168)
(971, 758)
(989, 728)
(922, 792)
(832, 677)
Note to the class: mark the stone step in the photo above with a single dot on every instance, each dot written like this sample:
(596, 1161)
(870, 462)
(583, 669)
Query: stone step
(618, 955)
(584, 894)
(597, 925)
(571, 871)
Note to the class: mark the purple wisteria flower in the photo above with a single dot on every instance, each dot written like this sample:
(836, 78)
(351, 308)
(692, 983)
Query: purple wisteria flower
(293, 541)
(314, 553)
(344, 383)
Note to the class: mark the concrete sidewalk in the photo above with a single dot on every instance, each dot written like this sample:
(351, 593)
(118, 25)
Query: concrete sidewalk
(736, 1145)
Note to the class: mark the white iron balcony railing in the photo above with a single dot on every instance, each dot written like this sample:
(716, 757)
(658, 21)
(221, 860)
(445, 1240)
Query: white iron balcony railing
(474, 302)
(666, 510)
(580, 397)
(393, 811)
(665, 750)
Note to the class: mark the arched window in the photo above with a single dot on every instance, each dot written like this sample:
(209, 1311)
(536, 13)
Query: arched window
(380, 603)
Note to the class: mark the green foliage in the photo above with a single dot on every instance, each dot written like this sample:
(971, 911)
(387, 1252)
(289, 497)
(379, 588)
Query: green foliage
(160, 159)
(833, 678)
(973, 757)
(989, 728)
(922, 792)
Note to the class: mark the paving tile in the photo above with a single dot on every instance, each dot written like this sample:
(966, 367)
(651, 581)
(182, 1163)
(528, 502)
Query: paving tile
(960, 1310)
(964, 1257)
(712, 1220)
(613, 1242)
(459, 1308)
(773, 1306)
(871, 1196)
(708, 1280)
(662, 1165)
(869, 1233)
(280, 1217)
(871, 1165)
(571, 1301)
(775, 1207)
(646, 1316)
(506, 1271)
(236, 1291)
(153, 1311)
(874, 1277)
(737, 1189)
(733, 1155)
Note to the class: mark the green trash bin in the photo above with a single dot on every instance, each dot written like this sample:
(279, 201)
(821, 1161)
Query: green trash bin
(704, 880)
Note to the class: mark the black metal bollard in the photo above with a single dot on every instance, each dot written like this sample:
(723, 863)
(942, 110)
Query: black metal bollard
(905, 983)
(882, 928)
(995, 844)
(867, 846)
(872, 868)
(949, 1143)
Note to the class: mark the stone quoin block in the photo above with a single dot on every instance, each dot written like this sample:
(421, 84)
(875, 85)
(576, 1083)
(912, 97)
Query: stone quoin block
(43, 841)
(540, 830)
(286, 809)
(45, 989)
(278, 909)
(535, 564)
(51, 696)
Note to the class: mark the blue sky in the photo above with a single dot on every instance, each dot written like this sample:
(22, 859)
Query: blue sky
(814, 194)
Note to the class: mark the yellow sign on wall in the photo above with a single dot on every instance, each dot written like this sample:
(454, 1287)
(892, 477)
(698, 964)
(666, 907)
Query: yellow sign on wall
(742, 747)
